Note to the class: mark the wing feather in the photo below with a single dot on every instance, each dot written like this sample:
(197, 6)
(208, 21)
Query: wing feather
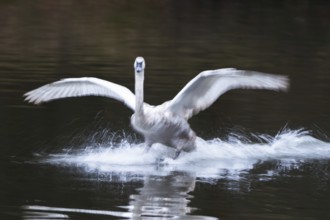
(77, 87)
(206, 87)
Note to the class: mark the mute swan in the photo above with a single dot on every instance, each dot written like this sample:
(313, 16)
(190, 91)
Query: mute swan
(166, 123)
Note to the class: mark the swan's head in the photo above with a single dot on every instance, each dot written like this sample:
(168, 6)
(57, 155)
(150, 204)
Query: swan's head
(139, 64)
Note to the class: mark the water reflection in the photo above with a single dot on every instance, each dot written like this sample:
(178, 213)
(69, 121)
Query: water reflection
(160, 197)
(46, 212)
(164, 196)
(154, 190)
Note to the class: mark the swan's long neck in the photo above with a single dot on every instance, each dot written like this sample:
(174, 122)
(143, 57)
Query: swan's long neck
(139, 78)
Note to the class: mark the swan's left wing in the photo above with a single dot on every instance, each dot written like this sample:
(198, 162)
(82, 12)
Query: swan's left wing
(77, 87)
(207, 86)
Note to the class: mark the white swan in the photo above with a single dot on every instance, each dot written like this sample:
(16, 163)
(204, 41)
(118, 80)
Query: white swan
(166, 123)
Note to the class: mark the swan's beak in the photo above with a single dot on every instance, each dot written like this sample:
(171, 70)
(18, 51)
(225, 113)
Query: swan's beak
(139, 64)
(139, 67)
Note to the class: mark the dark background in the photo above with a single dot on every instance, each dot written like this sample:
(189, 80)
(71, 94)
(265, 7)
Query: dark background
(43, 41)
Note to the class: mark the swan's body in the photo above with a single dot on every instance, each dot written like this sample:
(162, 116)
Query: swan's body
(159, 125)
(166, 123)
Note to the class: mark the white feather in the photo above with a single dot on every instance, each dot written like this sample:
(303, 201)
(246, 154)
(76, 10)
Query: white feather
(207, 86)
(166, 123)
(76, 87)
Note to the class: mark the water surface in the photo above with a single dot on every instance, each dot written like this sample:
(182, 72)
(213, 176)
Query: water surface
(261, 154)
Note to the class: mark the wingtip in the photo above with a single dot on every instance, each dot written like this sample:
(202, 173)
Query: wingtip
(30, 99)
(26, 97)
(286, 83)
(279, 83)
(26, 94)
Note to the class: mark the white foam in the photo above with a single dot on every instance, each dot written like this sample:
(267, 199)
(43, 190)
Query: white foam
(210, 158)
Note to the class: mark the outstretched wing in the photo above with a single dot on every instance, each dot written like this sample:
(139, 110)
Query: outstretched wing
(76, 87)
(207, 86)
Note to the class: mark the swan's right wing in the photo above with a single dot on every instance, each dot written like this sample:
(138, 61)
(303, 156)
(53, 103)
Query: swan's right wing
(207, 86)
(76, 87)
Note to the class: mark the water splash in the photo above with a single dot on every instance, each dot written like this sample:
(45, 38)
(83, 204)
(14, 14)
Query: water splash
(167, 183)
(209, 160)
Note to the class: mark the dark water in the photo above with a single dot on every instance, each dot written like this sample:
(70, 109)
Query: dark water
(266, 154)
